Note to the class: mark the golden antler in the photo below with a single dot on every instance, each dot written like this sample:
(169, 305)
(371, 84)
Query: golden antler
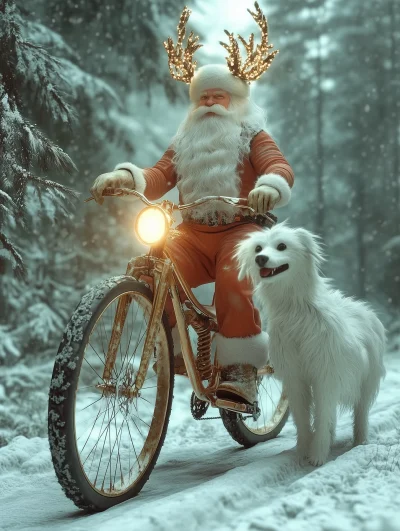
(258, 60)
(180, 60)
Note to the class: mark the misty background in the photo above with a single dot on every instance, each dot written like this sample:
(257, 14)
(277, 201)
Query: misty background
(85, 85)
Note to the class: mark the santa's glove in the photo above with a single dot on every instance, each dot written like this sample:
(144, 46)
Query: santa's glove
(263, 198)
(113, 179)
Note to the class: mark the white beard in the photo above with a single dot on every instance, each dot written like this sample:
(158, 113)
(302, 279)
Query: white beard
(208, 150)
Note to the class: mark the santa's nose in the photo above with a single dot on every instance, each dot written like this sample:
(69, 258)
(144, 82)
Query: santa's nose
(209, 103)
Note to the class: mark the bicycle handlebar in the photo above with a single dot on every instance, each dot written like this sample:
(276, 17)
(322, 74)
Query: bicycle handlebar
(238, 202)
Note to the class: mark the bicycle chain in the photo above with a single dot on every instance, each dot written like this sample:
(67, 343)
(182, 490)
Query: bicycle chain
(199, 408)
(214, 418)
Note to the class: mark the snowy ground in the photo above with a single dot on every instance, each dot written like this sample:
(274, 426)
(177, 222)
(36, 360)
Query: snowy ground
(204, 480)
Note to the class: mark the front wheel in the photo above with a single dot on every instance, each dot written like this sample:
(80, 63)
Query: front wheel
(105, 442)
(274, 411)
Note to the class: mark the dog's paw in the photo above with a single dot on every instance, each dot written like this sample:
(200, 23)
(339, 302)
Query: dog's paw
(317, 459)
(319, 450)
(302, 460)
(302, 454)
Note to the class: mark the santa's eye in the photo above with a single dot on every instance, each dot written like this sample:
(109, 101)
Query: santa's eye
(281, 247)
(258, 249)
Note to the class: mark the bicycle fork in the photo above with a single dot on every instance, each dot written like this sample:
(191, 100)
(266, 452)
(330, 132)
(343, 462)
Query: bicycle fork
(162, 279)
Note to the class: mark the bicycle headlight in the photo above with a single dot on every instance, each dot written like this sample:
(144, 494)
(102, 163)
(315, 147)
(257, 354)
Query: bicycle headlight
(151, 225)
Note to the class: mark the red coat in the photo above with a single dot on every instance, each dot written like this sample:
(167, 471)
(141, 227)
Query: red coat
(263, 159)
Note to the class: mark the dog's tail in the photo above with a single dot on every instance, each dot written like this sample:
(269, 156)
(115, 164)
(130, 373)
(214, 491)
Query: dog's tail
(375, 344)
(374, 340)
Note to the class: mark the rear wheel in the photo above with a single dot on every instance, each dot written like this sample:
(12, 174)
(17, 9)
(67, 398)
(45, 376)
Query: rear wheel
(104, 442)
(274, 412)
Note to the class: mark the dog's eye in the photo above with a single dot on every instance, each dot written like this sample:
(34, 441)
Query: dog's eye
(281, 247)
(258, 249)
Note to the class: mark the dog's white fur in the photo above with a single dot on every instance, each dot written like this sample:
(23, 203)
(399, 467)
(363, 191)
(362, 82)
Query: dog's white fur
(326, 348)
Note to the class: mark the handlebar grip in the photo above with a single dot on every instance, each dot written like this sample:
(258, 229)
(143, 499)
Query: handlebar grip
(111, 191)
(107, 192)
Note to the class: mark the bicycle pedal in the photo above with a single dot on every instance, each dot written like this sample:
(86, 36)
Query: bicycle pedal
(198, 407)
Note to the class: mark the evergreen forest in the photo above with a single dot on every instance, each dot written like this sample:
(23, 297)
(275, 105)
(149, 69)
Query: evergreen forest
(85, 85)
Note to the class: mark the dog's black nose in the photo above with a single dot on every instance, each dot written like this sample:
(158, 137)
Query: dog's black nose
(261, 260)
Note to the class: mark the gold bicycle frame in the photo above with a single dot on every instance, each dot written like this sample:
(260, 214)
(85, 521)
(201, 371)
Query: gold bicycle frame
(167, 280)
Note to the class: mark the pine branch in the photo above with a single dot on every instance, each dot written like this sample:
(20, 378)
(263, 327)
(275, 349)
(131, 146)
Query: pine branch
(62, 202)
(49, 60)
(93, 88)
(48, 155)
(9, 35)
(45, 183)
(42, 70)
(34, 145)
(37, 33)
(19, 187)
(18, 266)
(4, 197)
(4, 210)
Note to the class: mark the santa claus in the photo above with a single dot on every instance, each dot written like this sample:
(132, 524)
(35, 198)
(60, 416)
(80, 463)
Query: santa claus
(221, 148)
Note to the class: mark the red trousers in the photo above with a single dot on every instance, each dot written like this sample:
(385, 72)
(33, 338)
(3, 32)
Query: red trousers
(204, 254)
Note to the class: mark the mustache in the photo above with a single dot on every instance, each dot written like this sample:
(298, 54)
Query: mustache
(219, 110)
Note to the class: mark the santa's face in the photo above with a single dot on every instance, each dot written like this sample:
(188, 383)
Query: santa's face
(215, 96)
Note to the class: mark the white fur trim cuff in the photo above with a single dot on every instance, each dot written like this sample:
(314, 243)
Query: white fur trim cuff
(251, 349)
(280, 184)
(138, 175)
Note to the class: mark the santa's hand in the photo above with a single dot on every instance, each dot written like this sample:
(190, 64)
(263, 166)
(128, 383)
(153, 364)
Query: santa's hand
(113, 179)
(263, 198)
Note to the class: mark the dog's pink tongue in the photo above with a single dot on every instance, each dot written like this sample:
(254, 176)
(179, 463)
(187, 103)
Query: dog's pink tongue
(265, 271)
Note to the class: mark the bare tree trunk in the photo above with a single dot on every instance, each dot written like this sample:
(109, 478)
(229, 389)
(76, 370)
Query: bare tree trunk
(320, 218)
(361, 224)
(320, 145)
(395, 111)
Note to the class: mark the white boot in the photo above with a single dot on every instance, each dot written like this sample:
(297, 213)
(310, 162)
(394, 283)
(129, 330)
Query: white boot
(239, 358)
(238, 383)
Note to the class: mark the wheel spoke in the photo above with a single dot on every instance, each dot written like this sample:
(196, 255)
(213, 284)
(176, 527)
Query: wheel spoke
(139, 418)
(93, 369)
(130, 337)
(272, 409)
(101, 434)
(83, 409)
(94, 424)
(101, 427)
(90, 345)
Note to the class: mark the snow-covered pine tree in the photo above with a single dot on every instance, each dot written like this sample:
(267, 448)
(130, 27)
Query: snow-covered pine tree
(23, 147)
(34, 211)
(119, 42)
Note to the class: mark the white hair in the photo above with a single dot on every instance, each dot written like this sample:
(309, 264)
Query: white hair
(209, 149)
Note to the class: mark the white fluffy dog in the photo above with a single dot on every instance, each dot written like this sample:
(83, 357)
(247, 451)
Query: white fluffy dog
(326, 348)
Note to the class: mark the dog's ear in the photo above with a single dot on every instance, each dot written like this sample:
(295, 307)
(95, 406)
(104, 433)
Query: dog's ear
(312, 244)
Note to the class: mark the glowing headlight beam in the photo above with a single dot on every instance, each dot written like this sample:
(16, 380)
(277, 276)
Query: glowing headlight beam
(151, 225)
